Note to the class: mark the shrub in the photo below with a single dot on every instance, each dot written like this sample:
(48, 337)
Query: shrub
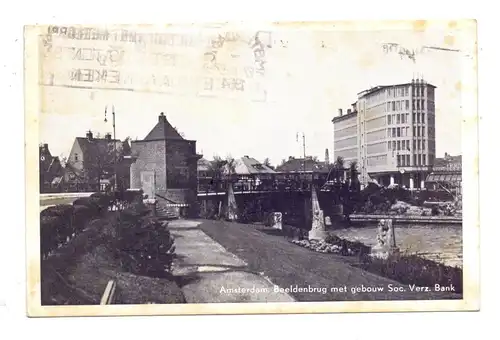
(356, 247)
(146, 247)
(91, 203)
(51, 233)
(81, 215)
(64, 215)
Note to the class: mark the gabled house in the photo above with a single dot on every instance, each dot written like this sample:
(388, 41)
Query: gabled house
(165, 166)
(93, 161)
(301, 165)
(50, 169)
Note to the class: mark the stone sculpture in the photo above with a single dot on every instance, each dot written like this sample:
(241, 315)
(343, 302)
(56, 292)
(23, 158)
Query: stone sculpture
(318, 229)
(386, 240)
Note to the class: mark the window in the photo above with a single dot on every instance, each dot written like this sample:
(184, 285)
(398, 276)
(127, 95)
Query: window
(399, 145)
(403, 160)
(76, 157)
(408, 160)
(413, 104)
(407, 118)
(423, 145)
(388, 145)
(423, 131)
(422, 105)
(406, 92)
(398, 118)
(423, 159)
(418, 131)
(407, 131)
(418, 104)
(418, 117)
(414, 120)
(393, 106)
(388, 132)
(419, 159)
(403, 145)
(423, 117)
(407, 104)
(388, 106)
(402, 118)
(419, 145)
(403, 130)
(399, 160)
(414, 131)
(393, 132)
(414, 159)
(389, 120)
(393, 145)
(414, 145)
(399, 132)
(422, 91)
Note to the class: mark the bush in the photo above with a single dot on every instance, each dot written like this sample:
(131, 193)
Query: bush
(357, 248)
(63, 228)
(94, 208)
(49, 238)
(81, 215)
(146, 247)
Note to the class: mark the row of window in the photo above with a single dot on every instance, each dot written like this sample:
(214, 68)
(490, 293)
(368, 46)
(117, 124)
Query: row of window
(404, 160)
(403, 118)
(417, 104)
(418, 131)
(405, 145)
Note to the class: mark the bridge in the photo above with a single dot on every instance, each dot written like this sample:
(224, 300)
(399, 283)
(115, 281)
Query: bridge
(269, 183)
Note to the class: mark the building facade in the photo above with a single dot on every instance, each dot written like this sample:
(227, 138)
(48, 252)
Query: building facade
(390, 131)
(446, 174)
(50, 169)
(93, 161)
(165, 166)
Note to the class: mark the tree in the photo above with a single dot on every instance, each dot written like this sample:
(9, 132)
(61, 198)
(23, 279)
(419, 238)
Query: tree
(267, 162)
(102, 159)
(315, 159)
(338, 166)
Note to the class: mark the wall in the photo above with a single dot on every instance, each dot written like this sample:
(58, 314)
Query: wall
(181, 164)
(150, 157)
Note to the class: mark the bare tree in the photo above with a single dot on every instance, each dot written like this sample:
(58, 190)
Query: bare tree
(267, 162)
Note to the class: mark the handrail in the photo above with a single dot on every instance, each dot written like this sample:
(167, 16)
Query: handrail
(109, 293)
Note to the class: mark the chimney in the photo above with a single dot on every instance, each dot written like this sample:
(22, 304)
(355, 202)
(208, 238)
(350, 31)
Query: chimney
(340, 112)
(90, 136)
(162, 118)
(108, 137)
(46, 147)
(327, 157)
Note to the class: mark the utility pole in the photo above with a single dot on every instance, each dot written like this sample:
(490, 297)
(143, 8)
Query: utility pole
(114, 142)
(304, 148)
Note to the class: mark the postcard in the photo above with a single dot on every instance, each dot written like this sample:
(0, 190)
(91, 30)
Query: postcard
(234, 168)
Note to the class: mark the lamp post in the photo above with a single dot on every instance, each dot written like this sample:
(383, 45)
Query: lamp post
(114, 142)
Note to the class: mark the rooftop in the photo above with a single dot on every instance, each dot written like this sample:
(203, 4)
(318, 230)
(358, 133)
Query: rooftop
(163, 130)
(381, 87)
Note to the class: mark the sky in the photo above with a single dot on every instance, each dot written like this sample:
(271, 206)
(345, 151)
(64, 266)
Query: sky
(309, 73)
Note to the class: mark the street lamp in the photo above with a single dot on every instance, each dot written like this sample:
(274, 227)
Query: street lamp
(114, 141)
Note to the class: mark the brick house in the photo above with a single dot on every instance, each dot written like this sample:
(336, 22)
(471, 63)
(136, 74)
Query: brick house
(93, 158)
(165, 167)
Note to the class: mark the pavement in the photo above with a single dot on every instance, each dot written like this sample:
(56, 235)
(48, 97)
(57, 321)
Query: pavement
(212, 274)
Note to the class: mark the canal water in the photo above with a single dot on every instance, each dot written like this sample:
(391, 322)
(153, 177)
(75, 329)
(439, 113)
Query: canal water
(440, 243)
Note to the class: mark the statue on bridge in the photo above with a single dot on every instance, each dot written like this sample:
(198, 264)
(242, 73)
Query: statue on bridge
(386, 241)
(318, 229)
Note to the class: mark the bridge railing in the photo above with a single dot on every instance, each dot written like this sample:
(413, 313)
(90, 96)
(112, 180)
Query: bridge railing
(262, 182)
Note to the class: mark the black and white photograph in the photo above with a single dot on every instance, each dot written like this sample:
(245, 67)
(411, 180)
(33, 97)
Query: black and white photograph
(229, 168)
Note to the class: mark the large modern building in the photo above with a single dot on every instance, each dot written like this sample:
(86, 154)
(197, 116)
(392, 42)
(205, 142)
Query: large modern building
(390, 132)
